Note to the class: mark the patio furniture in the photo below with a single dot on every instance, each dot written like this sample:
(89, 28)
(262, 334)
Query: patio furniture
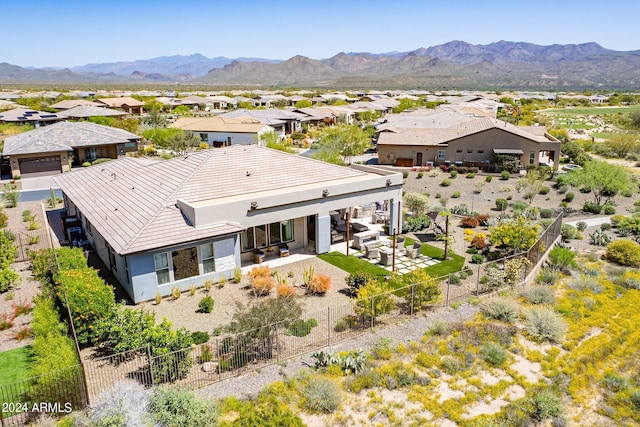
(413, 251)
(358, 228)
(284, 249)
(258, 256)
(336, 236)
(400, 242)
(360, 238)
(371, 252)
(385, 258)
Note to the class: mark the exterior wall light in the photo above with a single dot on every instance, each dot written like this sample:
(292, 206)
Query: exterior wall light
(388, 182)
(325, 193)
(254, 205)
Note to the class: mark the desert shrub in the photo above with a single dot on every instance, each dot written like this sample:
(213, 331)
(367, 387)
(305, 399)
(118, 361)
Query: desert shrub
(419, 175)
(623, 252)
(46, 264)
(90, 300)
(268, 410)
(493, 354)
(614, 382)
(502, 204)
(478, 242)
(455, 195)
(460, 209)
(285, 290)
(547, 213)
(321, 395)
(342, 324)
(592, 207)
(538, 295)
(179, 406)
(569, 196)
(488, 178)
(635, 400)
(301, 328)
(562, 259)
(320, 284)
(425, 292)
(569, 232)
(262, 284)
(199, 337)
(617, 219)
(439, 328)
(544, 324)
(544, 190)
(469, 222)
(581, 225)
(355, 281)
(599, 238)
(206, 304)
(477, 258)
(383, 301)
(585, 282)
(631, 280)
(124, 404)
(608, 209)
(543, 405)
(446, 182)
(470, 175)
(405, 174)
(502, 309)
(454, 173)
(237, 274)
(505, 175)
(8, 277)
(416, 223)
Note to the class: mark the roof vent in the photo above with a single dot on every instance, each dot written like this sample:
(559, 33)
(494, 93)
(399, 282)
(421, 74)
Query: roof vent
(248, 173)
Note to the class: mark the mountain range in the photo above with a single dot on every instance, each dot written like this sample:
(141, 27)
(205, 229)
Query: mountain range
(453, 65)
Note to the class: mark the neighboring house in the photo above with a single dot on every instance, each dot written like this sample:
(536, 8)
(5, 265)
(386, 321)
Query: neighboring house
(284, 121)
(197, 217)
(67, 104)
(52, 149)
(126, 103)
(223, 132)
(448, 137)
(28, 116)
(84, 112)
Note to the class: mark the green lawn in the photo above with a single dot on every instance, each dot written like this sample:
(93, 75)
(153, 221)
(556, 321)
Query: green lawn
(14, 364)
(351, 264)
(591, 111)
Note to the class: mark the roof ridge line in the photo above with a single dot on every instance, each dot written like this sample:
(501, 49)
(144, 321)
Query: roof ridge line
(163, 204)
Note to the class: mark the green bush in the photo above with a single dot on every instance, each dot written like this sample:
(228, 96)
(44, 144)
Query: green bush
(544, 324)
(454, 174)
(547, 213)
(355, 281)
(543, 405)
(544, 190)
(592, 207)
(420, 175)
(405, 174)
(206, 304)
(569, 197)
(505, 175)
(635, 400)
(471, 175)
(321, 395)
(8, 277)
(502, 309)
(623, 252)
(569, 232)
(45, 263)
(502, 204)
(383, 300)
(562, 259)
(538, 295)
(178, 406)
(455, 195)
(101, 160)
(477, 258)
(301, 328)
(342, 324)
(488, 178)
(125, 330)
(86, 164)
(608, 209)
(267, 410)
(199, 337)
(446, 182)
(493, 354)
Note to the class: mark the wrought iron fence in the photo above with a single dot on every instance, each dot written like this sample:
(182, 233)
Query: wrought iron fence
(227, 356)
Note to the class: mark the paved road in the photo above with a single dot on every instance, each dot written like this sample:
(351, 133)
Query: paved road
(36, 195)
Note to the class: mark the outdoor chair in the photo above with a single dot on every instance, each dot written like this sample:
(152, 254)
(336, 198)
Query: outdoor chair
(413, 251)
(385, 258)
(284, 249)
(371, 252)
(258, 256)
(400, 242)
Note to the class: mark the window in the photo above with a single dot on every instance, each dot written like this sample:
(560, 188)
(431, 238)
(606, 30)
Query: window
(480, 151)
(208, 261)
(162, 268)
(87, 225)
(185, 263)
(91, 153)
(204, 137)
(441, 154)
(458, 151)
(112, 258)
(126, 269)
(247, 239)
(266, 235)
(469, 151)
(532, 158)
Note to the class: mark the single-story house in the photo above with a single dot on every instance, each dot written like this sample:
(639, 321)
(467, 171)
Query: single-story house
(84, 112)
(222, 131)
(28, 116)
(126, 103)
(448, 137)
(285, 122)
(54, 148)
(67, 104)
(194, 218)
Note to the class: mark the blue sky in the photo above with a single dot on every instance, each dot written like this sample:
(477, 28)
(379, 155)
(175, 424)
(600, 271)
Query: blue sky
(77, 32)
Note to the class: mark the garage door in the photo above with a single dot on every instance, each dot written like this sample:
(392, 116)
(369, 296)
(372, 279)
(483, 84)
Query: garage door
(40, 165)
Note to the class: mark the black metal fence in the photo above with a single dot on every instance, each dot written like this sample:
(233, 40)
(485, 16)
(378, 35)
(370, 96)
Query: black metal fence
(232, 355)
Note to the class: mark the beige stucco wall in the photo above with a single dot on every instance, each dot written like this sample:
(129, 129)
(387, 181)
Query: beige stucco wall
(473, 148)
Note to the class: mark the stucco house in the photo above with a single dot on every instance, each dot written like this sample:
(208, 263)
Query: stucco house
(126, 103)
(195, 218)
(53, 149)
(449, 137)
(223, 132)
(36, 118)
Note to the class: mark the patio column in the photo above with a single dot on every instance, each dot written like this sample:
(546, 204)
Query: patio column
(323, 234)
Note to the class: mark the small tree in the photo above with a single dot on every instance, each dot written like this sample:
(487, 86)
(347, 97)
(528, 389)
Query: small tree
(604, 179)
(416, 202)
(425, 290)
(514, 236)
(374, 299)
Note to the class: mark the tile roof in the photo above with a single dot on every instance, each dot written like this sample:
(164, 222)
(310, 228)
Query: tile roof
(27, 115)
(84, 111)
(133, 205)
(219, 124)
(64, 136)
(70, 103)
(119, 102)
